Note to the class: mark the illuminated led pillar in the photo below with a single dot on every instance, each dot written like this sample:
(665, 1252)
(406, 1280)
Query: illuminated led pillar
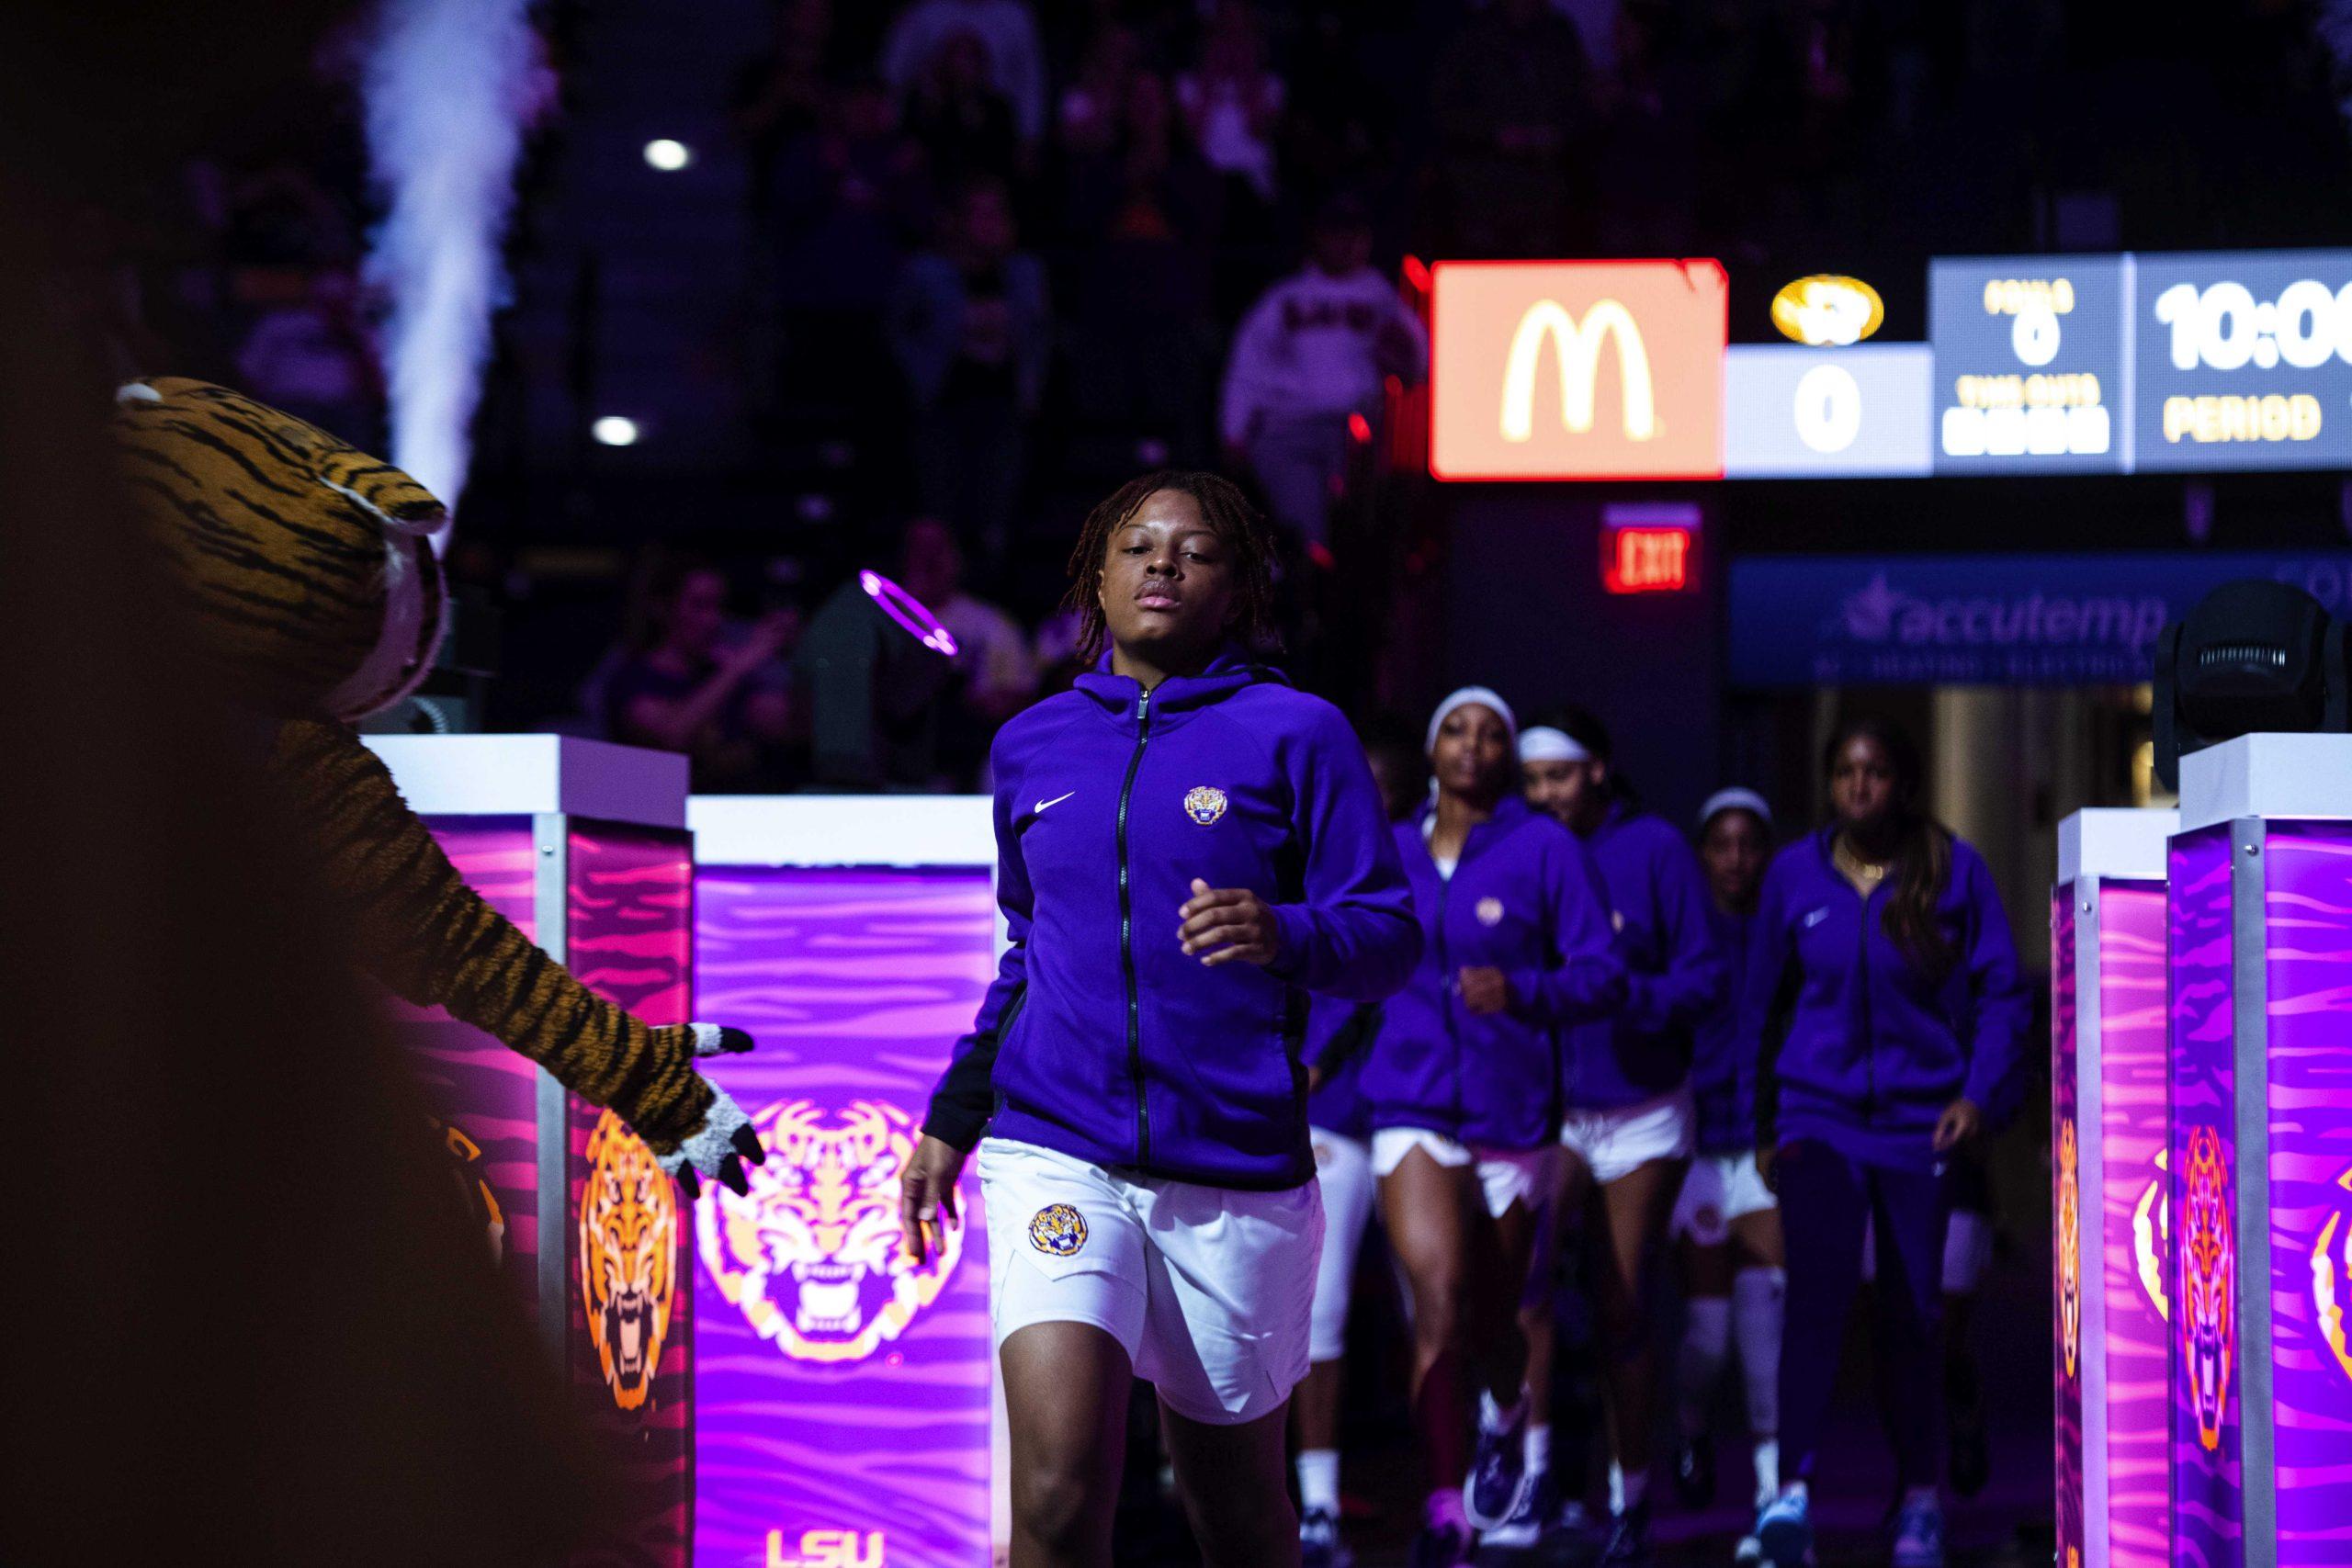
(2261, 1153)
(842, 1405)
(583, 845)
(2108, 1070)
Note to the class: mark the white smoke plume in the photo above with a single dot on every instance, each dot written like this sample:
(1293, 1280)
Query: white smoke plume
(451, 86)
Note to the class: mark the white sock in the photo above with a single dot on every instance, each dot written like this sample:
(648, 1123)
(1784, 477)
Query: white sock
(1797, 1489)
(1758, 1295)
(1706, 1345)
(1768, 1469)
(1493, 1420)
(1616, 1488)
(1538, 1447)
(1319, 1480)
(1443, 1508)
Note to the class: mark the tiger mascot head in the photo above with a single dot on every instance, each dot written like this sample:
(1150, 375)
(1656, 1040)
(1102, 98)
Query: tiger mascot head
(307, 562)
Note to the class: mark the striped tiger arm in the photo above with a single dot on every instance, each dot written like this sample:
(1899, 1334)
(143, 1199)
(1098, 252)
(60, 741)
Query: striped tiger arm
(437, 942)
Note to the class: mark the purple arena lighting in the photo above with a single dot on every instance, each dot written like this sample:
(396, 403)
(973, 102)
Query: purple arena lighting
(908, 611)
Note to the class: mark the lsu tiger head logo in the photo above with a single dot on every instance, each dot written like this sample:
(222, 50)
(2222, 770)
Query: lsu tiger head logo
(1489, 911)
(2332, 1277)
(814, 1255)
(1057, 1230)
(1206, 805)
(629, 1248)
(2207, 1281)
(2070, 1247)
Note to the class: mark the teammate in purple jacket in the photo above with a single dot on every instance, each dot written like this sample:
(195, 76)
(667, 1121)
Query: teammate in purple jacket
(1339, 1126)
(1462, 1086)
(1186, 848)
(1904, 1036)
(1630, 1125)
(1726, 1223)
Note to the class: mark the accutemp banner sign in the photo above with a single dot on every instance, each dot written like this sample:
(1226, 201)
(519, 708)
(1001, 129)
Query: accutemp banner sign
(1577, 370)
(2018, 620)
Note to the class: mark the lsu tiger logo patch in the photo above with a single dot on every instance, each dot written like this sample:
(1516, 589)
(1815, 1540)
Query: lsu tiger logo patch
(1205, 805)
(1491, 911)
(1057, 1230)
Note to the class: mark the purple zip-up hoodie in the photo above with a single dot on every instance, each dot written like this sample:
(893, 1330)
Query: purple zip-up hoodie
(1875, 1048)
(1660, 905)
(1099, 1038)
(1714, 1057)
(1525, 898)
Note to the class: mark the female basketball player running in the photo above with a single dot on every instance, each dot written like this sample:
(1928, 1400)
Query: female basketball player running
(1462, 1083)
(1629, 1124)
(1726, 1222)
(1905, 1034)
(1186, 848)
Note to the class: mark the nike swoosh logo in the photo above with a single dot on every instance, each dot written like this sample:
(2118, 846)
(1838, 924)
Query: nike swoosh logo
(1811, 920)
(1040, 808)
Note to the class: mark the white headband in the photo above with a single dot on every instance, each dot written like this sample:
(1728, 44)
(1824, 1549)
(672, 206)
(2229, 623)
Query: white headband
(1545, 744)
(1463, 698)
(1734, 799)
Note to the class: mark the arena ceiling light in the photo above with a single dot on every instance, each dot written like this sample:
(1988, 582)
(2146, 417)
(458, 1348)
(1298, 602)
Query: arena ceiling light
(614, 431)
(667, 155)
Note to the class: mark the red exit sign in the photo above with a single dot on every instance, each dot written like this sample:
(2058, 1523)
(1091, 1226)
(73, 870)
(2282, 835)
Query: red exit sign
(1650, 548)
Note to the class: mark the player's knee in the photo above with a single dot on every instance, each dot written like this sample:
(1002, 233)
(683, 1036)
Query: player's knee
(1437, 1307)
(1055, 1500)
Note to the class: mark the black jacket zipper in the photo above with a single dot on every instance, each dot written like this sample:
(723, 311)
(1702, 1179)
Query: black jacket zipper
(1127, 936)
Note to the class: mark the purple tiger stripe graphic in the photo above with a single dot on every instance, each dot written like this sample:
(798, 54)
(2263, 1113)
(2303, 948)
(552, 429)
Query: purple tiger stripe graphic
(482, 1092)
(843, 1394)
(629, 1339)
(2066, 1295)
(2208, 1521)
(2308, 969)
(2132, 1209)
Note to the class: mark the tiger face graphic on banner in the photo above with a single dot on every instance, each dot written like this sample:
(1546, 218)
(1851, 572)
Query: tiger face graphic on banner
(813, 1256)
(629, 1250)
(2207, 1283)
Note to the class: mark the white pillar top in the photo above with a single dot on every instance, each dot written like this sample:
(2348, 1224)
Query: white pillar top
(842, 829)
(2267, 775)
(2119, 841)
(521, 775)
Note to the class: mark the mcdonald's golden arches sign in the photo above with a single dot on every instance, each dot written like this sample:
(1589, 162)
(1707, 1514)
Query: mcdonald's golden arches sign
(1577, 370)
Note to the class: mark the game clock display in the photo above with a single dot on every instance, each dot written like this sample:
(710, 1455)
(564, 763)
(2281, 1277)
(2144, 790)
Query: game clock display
(2244, 360)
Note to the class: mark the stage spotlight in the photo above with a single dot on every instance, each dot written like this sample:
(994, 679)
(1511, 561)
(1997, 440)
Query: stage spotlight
(667, 155)
(614, 431)
(2252, 657)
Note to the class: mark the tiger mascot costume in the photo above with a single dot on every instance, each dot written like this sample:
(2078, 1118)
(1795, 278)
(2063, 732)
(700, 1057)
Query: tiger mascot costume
(315, 585)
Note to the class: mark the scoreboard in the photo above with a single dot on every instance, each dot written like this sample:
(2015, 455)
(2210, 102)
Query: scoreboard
(2193, 362)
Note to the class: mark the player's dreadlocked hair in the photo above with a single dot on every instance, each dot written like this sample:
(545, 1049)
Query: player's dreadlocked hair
(1228, 516)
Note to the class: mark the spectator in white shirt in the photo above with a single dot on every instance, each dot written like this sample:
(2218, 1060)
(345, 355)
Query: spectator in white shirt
(1007, 29)
(1315, 350)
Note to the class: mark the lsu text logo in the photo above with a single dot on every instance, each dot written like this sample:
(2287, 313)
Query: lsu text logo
(1563, 370)
(827, 1549)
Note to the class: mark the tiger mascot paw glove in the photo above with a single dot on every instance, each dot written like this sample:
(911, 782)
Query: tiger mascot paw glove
(724, 1141)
